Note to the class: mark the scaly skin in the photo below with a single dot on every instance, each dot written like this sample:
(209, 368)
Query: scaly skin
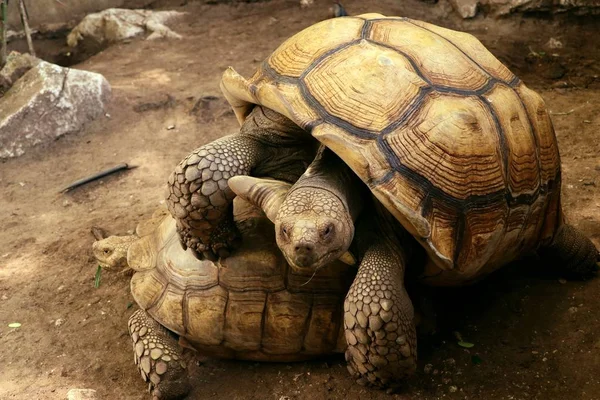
(313, 228)
(315, 223)
(158, 357)
(199, 197)
(379, 319)
(572, 252)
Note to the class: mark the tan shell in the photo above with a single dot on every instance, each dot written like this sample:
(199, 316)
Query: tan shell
(454, 145)
(249, 306)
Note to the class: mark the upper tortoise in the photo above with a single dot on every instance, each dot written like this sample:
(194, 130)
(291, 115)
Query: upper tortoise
(458, 154)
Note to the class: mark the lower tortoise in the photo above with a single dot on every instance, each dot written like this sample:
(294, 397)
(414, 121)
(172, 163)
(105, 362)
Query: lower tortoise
(251, 306)
(431, 146)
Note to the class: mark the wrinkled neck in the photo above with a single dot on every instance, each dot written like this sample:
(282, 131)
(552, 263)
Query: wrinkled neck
(329, 173)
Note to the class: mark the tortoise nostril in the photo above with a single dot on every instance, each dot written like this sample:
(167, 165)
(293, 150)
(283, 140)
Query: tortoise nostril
(304, 248)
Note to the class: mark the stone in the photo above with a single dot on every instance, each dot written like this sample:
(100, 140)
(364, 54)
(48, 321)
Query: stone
(465, 8)
(16, 66)
(117, 24)
(81, 394)
(47, 102)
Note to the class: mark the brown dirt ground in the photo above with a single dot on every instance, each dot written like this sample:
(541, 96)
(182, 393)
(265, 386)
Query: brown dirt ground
(535, 337)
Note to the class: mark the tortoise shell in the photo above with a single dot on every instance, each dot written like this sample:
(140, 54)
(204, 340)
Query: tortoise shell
(251, 306)
(453, 144)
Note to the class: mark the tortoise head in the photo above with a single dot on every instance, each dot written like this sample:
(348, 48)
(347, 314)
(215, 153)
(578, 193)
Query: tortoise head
(312, 225)
(112, 251)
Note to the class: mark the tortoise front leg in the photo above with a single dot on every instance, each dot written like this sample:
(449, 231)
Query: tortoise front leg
(199, 197)
(158, 357)
(379, 320)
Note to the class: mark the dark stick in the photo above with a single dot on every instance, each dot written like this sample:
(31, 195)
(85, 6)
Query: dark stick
(96, 176)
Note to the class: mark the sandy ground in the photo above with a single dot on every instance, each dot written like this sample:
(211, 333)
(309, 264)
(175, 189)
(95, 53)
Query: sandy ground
(535, 335)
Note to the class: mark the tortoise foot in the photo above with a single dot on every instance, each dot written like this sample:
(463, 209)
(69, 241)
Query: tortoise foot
(379, 322)
(158, 357)
(222, 241)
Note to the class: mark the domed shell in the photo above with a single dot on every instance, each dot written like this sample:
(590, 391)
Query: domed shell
(453, 144)
(250, 306)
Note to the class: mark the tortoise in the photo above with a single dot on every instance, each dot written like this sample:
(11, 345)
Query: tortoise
(250, 306)
(457, 156)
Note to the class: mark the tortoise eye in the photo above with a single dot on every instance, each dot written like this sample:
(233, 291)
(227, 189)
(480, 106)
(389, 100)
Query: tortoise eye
(328, 231)
(106, 251)
(284, 232)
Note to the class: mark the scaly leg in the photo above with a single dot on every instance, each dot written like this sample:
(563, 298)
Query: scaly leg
(200, 199)
(158, 357)
(573, 252)
(379, 320)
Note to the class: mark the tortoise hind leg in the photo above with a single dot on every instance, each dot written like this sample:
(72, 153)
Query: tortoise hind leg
(571, 251)
(158, 357)
(379, 320)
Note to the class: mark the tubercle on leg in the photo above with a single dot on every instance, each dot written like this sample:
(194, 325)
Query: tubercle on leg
(379, 321)
(158, 357)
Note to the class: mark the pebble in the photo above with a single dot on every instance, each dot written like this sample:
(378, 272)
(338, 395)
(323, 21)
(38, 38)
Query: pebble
(554, 43)
(170, 127)
(66, 203)
(81, 394)
(428, 368)
(4, 297)
(452, 389)
(59, 322)
(573, 310)
(562, 281)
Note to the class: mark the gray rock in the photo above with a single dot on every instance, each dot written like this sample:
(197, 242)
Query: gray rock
(81, 394)
(16, 66)
(47, 102)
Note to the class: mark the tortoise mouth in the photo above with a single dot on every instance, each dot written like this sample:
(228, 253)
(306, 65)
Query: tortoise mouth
(316, 264)
(104, 265)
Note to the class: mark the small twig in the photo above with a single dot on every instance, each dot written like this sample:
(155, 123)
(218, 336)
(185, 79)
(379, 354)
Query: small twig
(25, 22)
(96, 176)
(3, 29)
(571, 111)
(563, 113)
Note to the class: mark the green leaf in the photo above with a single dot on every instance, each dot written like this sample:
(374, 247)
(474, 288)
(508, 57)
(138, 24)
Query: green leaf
(129, 305)
(466, 345)
(475, 359)
(98, 277)
(14, 325)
